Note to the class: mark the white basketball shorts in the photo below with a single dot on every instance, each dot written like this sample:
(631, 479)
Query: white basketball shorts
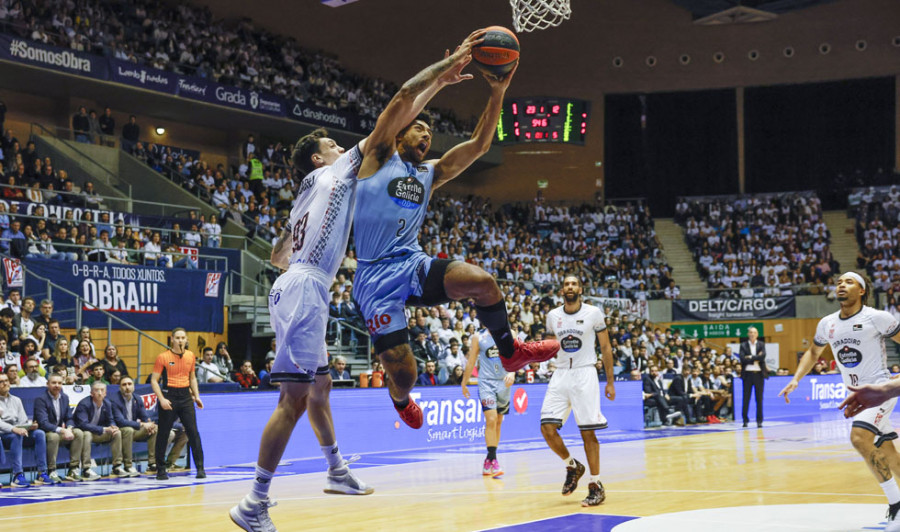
(574, 390)
(298, 308)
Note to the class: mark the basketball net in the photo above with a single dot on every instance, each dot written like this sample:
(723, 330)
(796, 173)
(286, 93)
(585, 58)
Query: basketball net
(530, 15)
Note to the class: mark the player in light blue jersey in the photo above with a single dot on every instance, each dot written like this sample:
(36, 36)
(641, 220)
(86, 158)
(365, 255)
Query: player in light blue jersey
(310, 249)
(396, 182)
(493, 392)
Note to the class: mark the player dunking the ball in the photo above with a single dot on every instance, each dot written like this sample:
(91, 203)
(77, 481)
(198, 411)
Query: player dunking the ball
(393, 269)
(311, 249)
(856, 334)
(574, 386)
(493, 392)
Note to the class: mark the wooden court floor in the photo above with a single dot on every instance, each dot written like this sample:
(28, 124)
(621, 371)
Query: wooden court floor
(773, 478)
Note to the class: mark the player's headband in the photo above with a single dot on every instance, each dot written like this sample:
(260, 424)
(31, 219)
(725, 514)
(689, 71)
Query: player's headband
(856, 277)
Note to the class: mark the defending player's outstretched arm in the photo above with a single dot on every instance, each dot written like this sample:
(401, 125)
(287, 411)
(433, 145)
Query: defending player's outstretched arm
(461, 156)
(411, 99)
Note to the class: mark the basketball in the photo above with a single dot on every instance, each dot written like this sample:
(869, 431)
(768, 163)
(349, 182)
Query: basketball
(498, 53)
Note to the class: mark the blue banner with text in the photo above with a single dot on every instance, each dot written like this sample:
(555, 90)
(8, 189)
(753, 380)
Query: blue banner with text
(156, 299)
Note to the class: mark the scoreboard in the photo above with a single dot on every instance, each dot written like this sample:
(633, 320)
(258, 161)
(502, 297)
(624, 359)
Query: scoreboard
(543, 120)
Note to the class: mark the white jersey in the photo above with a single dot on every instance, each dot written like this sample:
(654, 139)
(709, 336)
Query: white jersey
(322, 214)
(577, 335)
(858, 344)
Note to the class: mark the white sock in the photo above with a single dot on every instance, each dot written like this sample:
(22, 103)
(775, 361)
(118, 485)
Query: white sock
(332, 455)
(570, 462)
(260, 489)
(891, 490)
(595, 479)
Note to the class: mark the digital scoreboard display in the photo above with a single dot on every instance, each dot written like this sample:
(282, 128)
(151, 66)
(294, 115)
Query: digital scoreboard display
(543, 120)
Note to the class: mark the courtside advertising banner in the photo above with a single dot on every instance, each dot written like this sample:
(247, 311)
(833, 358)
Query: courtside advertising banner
(816, 395)
(733, 309)
(148, 298)
(366, 422)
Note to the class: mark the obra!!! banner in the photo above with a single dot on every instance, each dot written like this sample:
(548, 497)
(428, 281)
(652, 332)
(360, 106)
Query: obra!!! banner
(145, 297)
(733, 309)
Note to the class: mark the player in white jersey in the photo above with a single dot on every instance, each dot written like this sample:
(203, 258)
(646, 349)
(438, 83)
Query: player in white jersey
(856, 335)
(575, 387)
(493, 392)
(311, 249)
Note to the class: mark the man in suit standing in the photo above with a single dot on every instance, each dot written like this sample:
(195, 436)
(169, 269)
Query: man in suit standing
(51, 412)
(134, 422)
(94, 415)
(753, 373)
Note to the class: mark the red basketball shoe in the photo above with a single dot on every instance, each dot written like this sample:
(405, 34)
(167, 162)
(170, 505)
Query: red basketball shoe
(411, 415)
(526, 353)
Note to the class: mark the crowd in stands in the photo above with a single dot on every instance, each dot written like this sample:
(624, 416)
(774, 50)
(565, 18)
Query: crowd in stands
(186, 39)
(877, 214)
(759, 245)
(28, 177)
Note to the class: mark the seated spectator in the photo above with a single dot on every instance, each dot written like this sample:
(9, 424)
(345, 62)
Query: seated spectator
(94, 415)
(207, 370)
(338, 369)
(101, 248)
(213, 232)
(655, 396)
(134, 422)
(51, 413)
(90, 197)
(456, 375)
(115, 377)
(32, 378)
(152, 252)
(175, 259)
(84, 361)
(223, 361)
(247, 377)
(265, 376)
(97, 374)
(111, 361)
(13, 241)
(62, 244)
(12, 373)
(428, 378)
(15, 431)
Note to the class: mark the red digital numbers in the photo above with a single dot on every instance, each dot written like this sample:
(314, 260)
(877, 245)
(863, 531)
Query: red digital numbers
(555, 109)
(539, 122)
(530, 109)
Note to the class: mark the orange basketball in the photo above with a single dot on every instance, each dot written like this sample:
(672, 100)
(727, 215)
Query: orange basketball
(498, 53)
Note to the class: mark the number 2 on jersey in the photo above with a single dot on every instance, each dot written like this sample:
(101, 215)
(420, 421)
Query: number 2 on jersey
(300, 233)
(402, 223)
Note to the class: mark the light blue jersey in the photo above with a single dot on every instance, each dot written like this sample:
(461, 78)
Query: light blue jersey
(391, 206)
(489, 366)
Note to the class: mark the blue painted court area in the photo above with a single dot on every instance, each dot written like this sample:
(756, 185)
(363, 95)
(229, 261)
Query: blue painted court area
(568, 523)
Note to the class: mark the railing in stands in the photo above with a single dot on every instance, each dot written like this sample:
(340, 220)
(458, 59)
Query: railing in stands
(163, 207)
(105, 175)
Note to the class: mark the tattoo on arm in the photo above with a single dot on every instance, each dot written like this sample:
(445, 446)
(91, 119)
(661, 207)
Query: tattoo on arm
(879, 465)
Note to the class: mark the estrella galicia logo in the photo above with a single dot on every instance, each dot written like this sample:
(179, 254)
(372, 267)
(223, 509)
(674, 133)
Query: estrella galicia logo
(407, 192)
(570, 344)
(849, 357)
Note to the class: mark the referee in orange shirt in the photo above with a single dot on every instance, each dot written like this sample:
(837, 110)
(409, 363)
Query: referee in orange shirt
(180, 394)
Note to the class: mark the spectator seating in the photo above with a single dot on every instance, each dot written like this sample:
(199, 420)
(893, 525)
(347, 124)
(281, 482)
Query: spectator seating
(755, 245)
